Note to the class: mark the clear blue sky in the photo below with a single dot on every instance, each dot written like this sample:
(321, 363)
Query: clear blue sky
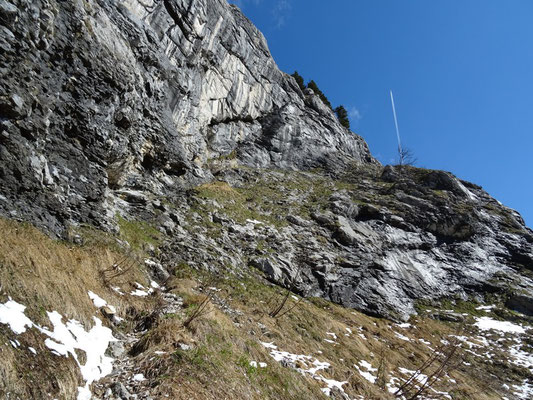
(461, 72)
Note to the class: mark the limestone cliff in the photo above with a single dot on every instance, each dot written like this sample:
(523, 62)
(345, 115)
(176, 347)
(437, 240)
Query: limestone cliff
(122, 107)
(107, 99)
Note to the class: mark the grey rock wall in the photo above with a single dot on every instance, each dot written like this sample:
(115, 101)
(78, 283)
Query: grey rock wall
(106, 101)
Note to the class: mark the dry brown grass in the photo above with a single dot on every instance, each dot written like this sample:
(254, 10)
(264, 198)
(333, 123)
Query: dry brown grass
(49, 275)
(54, 275)
(303, 330)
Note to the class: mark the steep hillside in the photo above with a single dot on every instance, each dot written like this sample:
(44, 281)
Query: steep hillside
(211, 231)
(88, 322)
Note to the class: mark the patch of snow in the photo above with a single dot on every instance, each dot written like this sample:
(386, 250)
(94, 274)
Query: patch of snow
(255, 364)
(12, 314)
(485, 308)
(84, 393)
(331, 383)
(66, 338)
(330, 341)
(160, 352)
(253, 221)
(400, 336)
(155, 285)
(118, 290)
(391, 386)
(139, 377)
(332, 335)
(421, 378)
(97, 300)
(405, 325)
(521, 358)
(486, 323)
(524, 391)
(307, 366)
(294, 297)
(139, 293)
(369, 370)
(349, 330)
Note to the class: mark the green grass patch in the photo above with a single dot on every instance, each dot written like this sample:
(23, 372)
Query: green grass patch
(138, 233)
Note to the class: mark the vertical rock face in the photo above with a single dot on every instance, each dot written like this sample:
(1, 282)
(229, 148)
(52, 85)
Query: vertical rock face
(109, 100)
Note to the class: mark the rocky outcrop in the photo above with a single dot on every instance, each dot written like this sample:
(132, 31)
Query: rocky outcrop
(125, 107)
(378, 240)
(104, 102)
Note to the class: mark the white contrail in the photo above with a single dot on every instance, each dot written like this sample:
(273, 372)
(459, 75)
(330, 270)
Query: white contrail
(396, 123)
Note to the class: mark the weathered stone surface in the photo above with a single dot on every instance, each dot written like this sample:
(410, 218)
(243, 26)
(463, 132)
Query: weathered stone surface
(105, 105)
(405, 243)
(123, 107)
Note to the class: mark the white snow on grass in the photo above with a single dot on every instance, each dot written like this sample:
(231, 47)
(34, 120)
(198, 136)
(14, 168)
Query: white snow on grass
(365, 370)
(403, 337)
(141, 290)
(332, 335)
(12, 314)
(97, 300)
(521, 358)
(486, 323)
(139, 293)
(307, 365)
(331, 383)
(118, 290)
(405, 325)
(524, 391)
(65, 339)
(255, 364)
(485, 308)
(139, 377)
